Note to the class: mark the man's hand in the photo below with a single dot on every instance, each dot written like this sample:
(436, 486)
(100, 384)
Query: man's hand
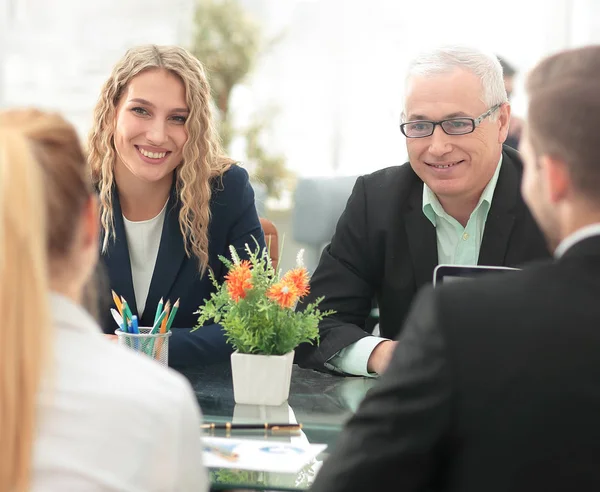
(112, 338)
(380, 357)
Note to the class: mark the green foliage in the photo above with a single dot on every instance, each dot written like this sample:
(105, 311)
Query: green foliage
(257, 323)
(229, 42)
(244, 478)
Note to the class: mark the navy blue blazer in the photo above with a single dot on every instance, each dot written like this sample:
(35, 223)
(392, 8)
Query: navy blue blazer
(234, 221)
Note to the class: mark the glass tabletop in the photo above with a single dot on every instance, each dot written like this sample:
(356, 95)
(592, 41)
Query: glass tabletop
(320, 402)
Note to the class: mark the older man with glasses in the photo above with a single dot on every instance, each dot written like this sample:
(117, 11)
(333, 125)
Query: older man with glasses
(456, 202)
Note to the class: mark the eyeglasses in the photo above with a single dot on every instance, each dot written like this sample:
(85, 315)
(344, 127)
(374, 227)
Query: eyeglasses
(451, 126)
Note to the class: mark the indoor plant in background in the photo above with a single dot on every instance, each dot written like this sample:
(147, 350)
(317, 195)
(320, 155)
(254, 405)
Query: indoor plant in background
(255, 305)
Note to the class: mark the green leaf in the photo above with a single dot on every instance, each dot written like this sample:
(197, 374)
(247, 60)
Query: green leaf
(257, 324)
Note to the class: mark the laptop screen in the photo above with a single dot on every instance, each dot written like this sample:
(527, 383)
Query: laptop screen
(456, 273)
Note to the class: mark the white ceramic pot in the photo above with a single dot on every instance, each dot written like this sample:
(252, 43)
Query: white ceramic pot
(261, 379)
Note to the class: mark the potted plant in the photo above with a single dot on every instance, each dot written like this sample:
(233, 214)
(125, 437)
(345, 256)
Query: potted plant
(255, 305)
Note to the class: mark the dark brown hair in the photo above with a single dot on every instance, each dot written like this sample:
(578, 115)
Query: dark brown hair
(564, 114)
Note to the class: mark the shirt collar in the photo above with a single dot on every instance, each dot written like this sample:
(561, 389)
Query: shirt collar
(576, 237)
(433, 209)
(67, 314)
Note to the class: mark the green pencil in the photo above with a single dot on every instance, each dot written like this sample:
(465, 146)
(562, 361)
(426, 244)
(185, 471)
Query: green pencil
(159, 309)
(126, 310)
(157, 323)
(172, 315)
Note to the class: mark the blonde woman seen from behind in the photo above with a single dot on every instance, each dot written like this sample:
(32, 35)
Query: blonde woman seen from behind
(76, 411)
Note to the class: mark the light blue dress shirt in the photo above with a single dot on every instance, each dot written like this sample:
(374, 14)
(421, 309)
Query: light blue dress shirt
(456, 245)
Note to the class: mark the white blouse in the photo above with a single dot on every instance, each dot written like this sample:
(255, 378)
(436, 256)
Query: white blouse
(110, 419)
(143, 241)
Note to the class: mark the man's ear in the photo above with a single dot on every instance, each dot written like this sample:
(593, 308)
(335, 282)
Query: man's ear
(504, 121)
(556, 174)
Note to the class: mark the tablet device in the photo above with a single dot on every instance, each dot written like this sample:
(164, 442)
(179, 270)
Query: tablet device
(456, 273)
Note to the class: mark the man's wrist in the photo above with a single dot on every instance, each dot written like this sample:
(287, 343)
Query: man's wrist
(378, 360)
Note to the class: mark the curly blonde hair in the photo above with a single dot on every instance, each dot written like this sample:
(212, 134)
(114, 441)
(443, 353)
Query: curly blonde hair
(203, 156)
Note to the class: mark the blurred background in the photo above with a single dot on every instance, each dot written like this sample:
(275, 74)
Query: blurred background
(308, 92)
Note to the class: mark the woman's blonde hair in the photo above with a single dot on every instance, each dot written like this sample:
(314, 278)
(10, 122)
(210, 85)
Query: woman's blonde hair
(44, 187)
(203, 156)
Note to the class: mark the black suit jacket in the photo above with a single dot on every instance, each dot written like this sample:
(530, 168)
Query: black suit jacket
(234, 221)
(384, 247)
(494, 386)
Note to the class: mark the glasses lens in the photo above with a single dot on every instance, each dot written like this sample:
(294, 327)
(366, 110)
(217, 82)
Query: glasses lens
(458, 126)
(416, 129)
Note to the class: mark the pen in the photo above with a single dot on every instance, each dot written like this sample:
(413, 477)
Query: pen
(265, 426)
(118, 319)
(134, 324)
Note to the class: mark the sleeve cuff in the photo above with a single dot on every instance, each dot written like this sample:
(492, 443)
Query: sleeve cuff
(353, 359)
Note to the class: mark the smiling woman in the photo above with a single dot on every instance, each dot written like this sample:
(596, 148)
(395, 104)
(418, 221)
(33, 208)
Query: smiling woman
(149, 137)
(171, 201)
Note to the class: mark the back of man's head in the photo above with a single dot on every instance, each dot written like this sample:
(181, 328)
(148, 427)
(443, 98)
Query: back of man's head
(564, 114)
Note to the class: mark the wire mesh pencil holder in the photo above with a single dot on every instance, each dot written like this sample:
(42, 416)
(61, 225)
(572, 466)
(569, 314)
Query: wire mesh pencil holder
(154, 346)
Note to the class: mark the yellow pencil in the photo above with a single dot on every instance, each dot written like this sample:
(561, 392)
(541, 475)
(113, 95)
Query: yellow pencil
(163, 325)
(117, 302)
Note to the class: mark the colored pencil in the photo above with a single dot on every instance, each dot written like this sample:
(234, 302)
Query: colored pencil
(159, 310)
(163, 325)
(172, 315)
(163, 329)
(157, 323)
(117, 302)
(126, 312)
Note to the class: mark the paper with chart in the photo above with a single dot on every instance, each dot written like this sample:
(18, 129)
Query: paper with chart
(258, 455)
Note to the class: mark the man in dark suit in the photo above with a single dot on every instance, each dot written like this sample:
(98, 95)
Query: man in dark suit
(495, 384)
(457, 201)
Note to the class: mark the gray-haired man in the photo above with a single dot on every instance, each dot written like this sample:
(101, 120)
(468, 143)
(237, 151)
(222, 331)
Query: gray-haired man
(456, 202)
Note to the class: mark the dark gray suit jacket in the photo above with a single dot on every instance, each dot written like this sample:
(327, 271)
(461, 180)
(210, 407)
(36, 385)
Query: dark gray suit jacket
(494, 386)
(385, 248)
(234, 221)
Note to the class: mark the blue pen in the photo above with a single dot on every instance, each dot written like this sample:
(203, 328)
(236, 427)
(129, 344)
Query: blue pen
(135, 330)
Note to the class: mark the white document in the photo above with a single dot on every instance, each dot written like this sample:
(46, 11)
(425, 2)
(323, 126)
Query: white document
(258, 455)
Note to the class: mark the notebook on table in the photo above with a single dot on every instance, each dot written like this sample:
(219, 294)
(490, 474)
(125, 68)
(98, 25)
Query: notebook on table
(456, 273)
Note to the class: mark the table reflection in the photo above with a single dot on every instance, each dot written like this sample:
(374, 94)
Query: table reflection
(320, 402)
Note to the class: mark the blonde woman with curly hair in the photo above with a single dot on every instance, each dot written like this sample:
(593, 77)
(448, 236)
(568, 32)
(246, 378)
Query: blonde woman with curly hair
(170, 200)
(71, 401)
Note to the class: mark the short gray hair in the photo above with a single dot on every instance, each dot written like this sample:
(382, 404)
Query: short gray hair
(484, 65)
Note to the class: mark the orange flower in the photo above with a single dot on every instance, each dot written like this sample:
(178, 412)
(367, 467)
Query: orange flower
(239, 280)
(298, 277)
(283, 293)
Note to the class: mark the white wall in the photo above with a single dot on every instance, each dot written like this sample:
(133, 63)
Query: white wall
(60, 52)
(336, 76)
